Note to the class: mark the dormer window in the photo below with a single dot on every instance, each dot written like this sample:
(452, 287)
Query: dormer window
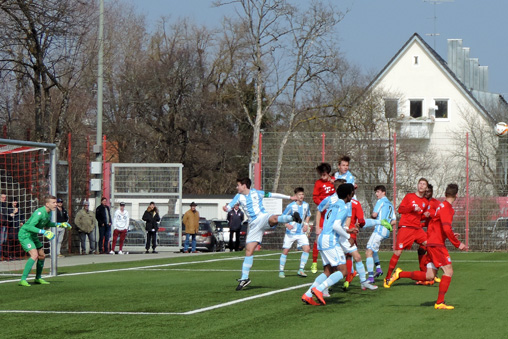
(415, 60)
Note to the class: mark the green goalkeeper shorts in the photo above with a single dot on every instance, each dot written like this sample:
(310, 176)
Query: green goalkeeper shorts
(30, 242)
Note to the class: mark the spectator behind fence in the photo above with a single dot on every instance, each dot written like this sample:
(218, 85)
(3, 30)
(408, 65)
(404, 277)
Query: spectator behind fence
(152, 218)
(61, 216)
(191, 221)
(235, 218)
(15, 223)
(85, 222)
(120, 226)
(4, 206)
(103, 216)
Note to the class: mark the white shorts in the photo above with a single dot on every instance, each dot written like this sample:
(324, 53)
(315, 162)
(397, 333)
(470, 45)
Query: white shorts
(333, 257)
(289, 239)
(346, 246)
(257, 228)
(375, 241)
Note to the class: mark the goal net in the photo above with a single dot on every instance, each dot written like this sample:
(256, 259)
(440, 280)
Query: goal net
(26, 170)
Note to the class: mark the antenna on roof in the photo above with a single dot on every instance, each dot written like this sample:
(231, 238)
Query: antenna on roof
(435, 2)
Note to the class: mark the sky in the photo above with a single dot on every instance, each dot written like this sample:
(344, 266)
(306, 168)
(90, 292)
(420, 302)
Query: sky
(373, 31)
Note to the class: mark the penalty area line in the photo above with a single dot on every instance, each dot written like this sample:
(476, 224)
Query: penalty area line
(199, 310)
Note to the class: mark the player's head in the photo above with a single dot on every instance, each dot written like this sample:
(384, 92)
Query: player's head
(50, 202)
(324, 170)
(338, 182)
(380, 191)
(422, 186)
(429, 192)
(346, 192)
(243, 184)
(299, 192)
(451, 191)
(344, 164)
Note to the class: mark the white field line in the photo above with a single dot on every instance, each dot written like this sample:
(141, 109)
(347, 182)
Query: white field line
(199, 310)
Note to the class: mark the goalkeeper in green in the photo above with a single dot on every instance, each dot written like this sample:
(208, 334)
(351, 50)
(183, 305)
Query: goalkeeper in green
(29, 238)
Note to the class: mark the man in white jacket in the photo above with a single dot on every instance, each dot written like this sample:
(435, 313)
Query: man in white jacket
(120, 226)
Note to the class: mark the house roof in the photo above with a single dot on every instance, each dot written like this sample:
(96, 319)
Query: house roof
(444, 67)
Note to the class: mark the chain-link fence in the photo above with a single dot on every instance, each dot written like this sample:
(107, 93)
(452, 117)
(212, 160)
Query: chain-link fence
(477, 164)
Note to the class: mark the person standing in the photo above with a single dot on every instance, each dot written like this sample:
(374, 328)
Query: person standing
(61, 216)
(85, 222)
(103, 216)
(12, 233)
(191, 221)
(235, 219)
(4, 207)
(29, 239)
(120, 226)
(152, 218)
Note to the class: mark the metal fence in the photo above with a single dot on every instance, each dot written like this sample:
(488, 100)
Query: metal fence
(477, 165)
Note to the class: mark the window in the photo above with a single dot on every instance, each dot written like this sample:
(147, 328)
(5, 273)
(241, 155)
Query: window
(442, 109)
(415, 60)
(391, 108)
(415, 108)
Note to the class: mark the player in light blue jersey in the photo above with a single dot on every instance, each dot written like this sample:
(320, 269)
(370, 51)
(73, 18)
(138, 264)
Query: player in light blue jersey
(296, 232)
(383, 219)
(251, 201)
(343, 172)
(334, 260)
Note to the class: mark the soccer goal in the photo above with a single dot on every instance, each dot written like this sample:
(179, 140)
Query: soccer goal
(27, 173)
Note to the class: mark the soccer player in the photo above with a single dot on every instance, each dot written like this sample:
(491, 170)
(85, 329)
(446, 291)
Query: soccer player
(28, 237)
(296, 232)
(357, 221)
(410, 231)
(323, 187)
(440, 229)
(334, 261)
(383, 218)
(343, 172)
(251, 201)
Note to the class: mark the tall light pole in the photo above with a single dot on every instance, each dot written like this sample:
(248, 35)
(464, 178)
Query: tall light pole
(100, 80)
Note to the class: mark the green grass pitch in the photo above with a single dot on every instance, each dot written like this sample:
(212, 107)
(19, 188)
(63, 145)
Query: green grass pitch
(195, 297)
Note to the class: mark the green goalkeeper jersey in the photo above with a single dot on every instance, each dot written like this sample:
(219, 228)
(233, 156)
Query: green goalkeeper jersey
(40, 219)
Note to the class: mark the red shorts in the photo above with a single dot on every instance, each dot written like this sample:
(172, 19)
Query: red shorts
(407, 236)
(439, 256)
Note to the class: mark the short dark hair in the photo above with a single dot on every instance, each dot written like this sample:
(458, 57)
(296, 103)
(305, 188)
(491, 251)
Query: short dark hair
(423, 179)
(104, 198)
(338, 182)
(299, 189)
(451, 190)
(344, 158)
(430, 187)
(344, 190)
(244, 181)
(381, 188)
(324, 167)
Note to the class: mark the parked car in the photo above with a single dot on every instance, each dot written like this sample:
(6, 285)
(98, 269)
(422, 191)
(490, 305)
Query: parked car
(136, 234)
(498, 234)
(222, 226)
(169, 230)
(207, 238)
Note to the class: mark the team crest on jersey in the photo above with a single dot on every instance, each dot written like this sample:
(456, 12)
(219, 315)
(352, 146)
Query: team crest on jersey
(401, 245)
(29, 245)
(38, 213)
(449, 259)
(423, 205)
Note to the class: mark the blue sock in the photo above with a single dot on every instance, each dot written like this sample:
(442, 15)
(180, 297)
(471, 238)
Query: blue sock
(282, 262)
(319, 280)
(361, 271)
(247, 264)
(371, 223)
(284, 218)
(303, 260)
(332, 280)
(370, 266)
(375, 256)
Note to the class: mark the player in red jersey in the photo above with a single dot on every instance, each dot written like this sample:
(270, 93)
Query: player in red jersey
(440, 229)
(412, 210)
(322, 189)
(357, 221)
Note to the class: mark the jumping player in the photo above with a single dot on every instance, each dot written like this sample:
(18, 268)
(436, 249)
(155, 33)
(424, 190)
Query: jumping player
(28, 237)
(251, 201)
(410, 231)
(440, 229)
(296, 232)
(322, 189)
(343, 172)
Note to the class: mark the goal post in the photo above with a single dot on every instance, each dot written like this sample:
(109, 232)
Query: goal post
(27, 175)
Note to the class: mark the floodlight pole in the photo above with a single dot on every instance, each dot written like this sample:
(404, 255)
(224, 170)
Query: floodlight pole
(100, 81)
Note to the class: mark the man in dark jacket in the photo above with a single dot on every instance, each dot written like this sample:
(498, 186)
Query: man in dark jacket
(152, 218)
(235, 218)
(103, 216)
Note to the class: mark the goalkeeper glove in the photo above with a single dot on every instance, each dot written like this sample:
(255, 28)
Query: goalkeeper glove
(64, 225)
(48, 234)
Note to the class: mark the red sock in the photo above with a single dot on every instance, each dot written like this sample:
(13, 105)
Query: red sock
(393, 263)
(315, 252)
(349, 266)
(416, 275)
(443, 288)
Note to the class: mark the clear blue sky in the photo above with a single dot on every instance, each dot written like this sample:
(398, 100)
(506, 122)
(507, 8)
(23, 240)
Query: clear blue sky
(374, 30)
